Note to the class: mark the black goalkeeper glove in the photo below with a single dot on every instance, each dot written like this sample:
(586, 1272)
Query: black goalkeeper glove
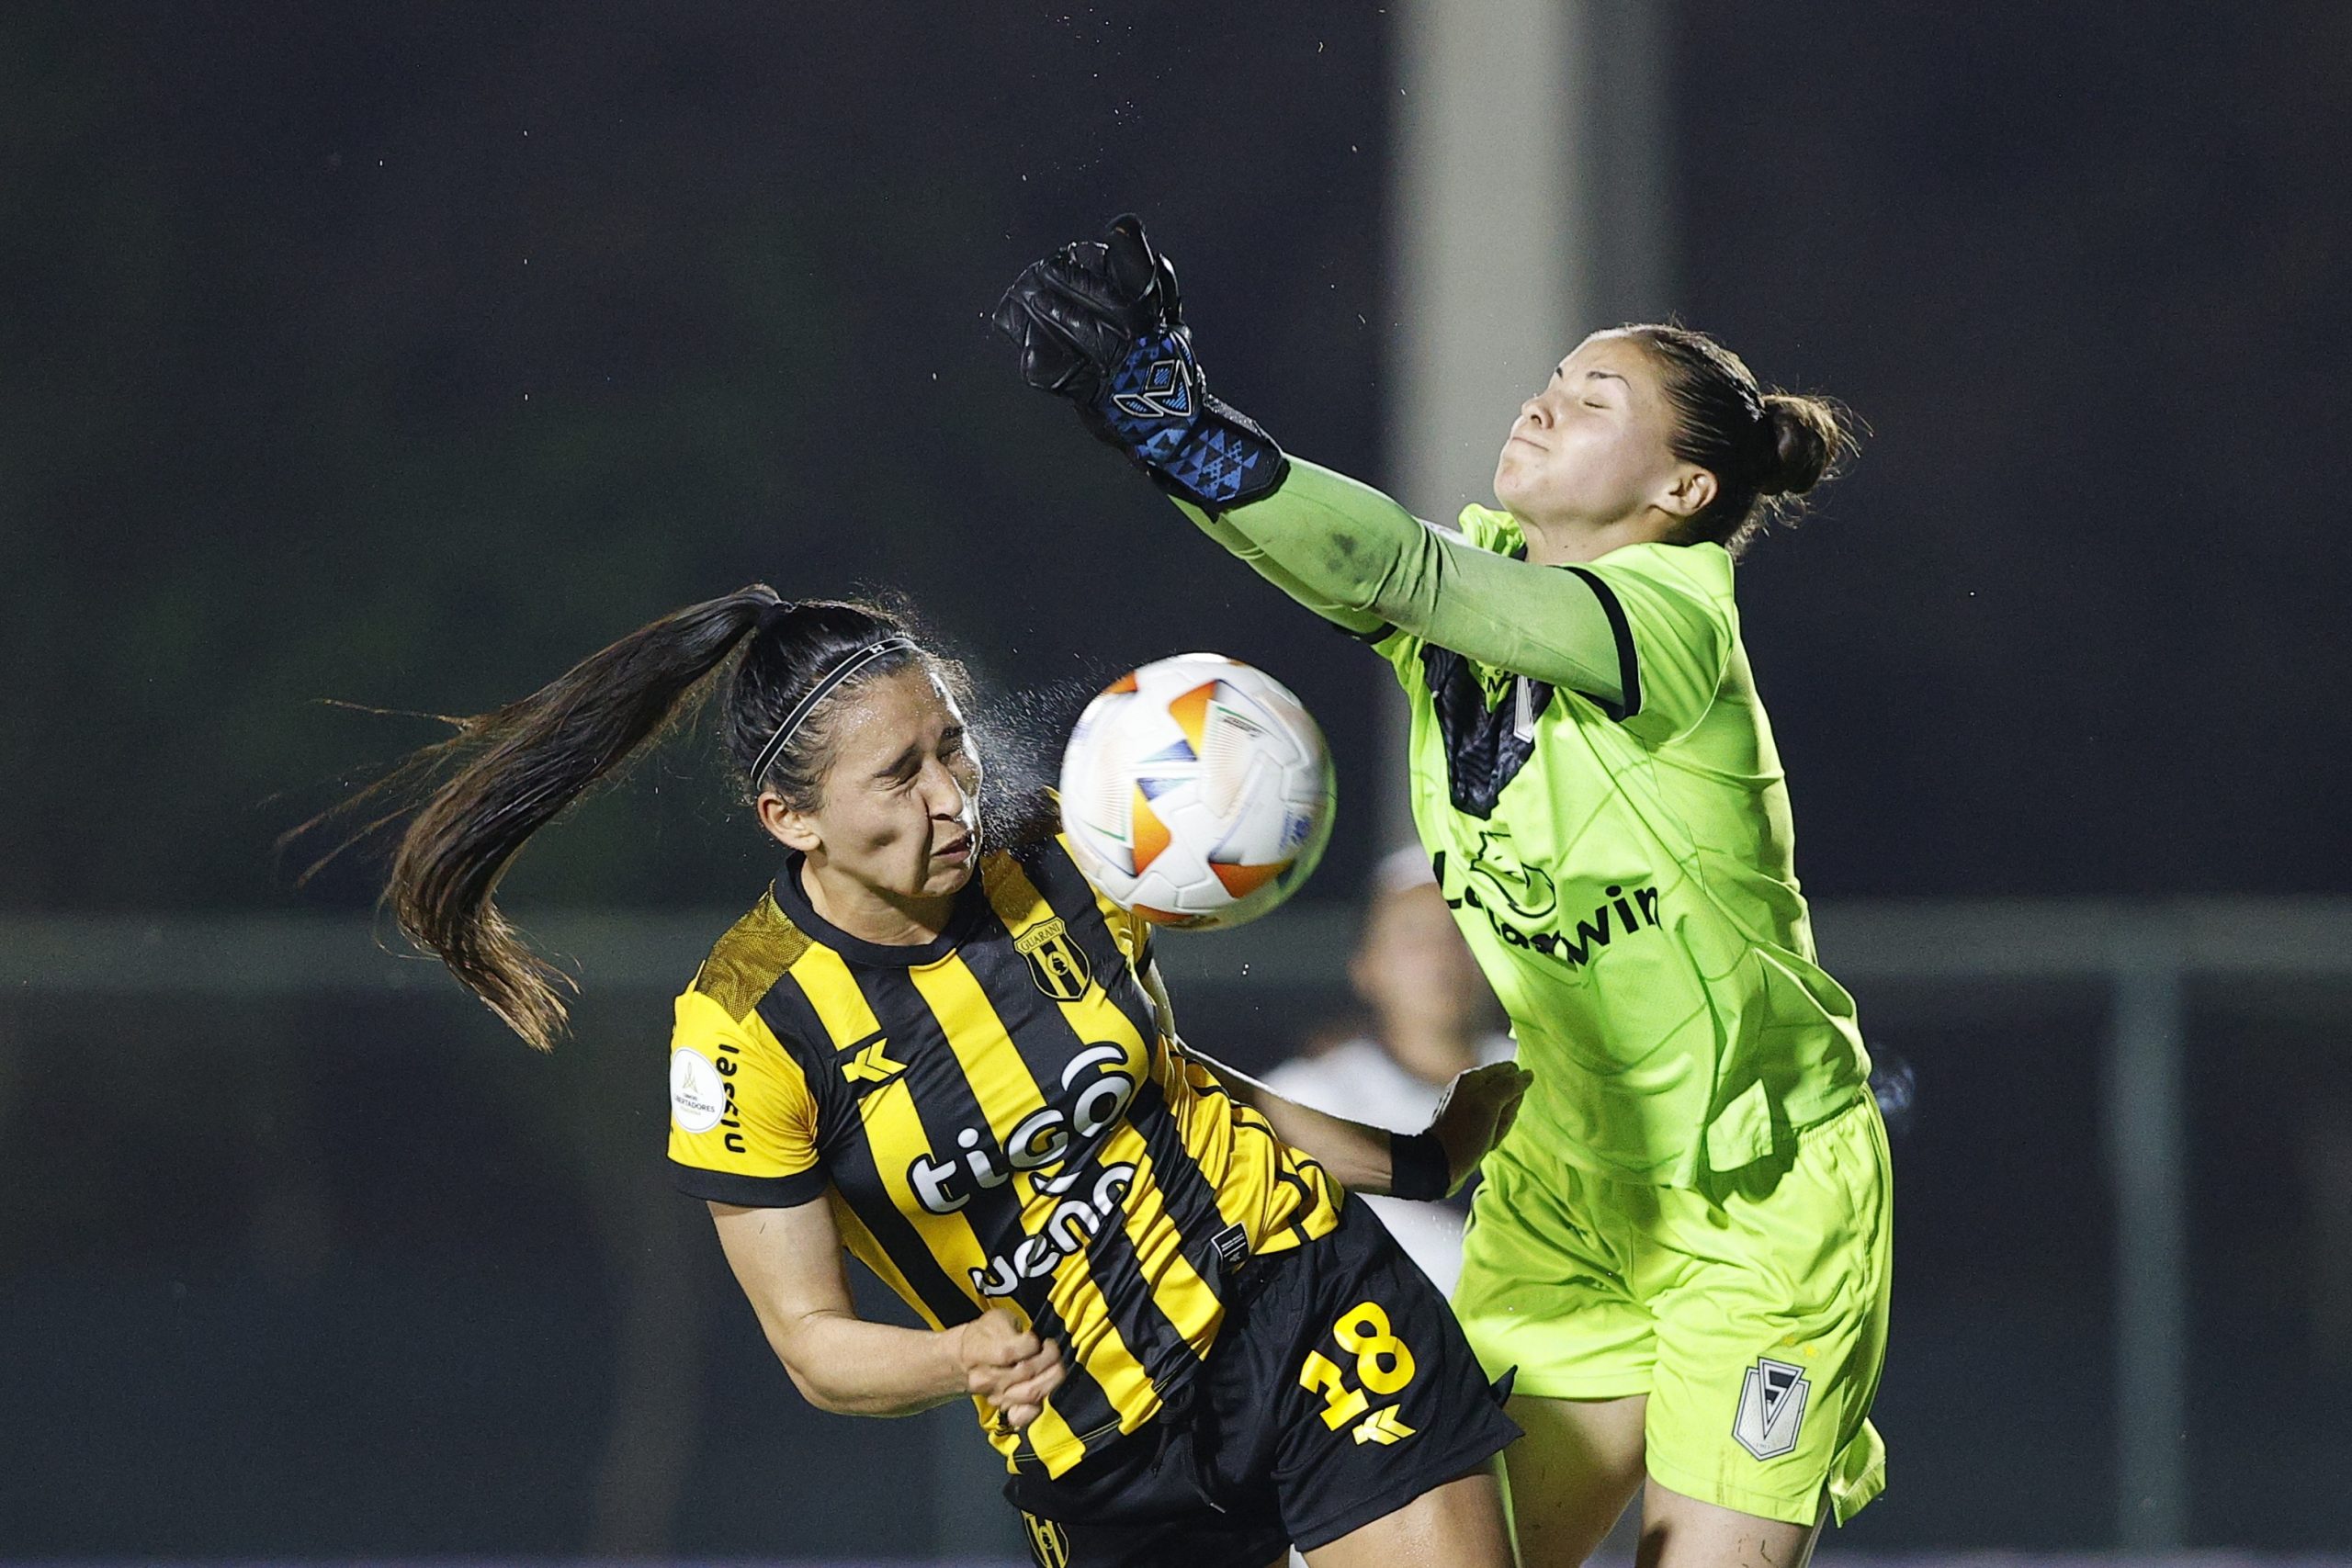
(1101, 324)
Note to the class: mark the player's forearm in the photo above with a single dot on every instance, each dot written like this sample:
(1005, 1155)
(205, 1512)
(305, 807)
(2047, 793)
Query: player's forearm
(1345, 545)
(1246, 549)
(851, 1366)
(1356, 1155)
(1331, 540)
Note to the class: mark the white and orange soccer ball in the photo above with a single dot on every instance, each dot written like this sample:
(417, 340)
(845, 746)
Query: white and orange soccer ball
(1197, 791)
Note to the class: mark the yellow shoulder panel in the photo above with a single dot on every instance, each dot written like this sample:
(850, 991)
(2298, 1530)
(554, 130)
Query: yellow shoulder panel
(750, 958)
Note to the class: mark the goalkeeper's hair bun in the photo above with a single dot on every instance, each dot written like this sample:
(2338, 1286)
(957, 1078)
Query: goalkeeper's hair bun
(1807, 437)
(1765, 449)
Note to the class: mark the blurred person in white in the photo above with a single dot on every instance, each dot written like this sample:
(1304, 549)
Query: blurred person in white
(1432, 1017)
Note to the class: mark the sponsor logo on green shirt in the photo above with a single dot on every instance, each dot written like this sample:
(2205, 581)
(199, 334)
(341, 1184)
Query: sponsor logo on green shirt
(1518, 901)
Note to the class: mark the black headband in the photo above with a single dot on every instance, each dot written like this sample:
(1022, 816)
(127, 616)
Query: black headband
(818, 693)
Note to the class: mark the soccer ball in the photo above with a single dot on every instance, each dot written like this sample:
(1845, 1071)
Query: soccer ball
(1196, 791)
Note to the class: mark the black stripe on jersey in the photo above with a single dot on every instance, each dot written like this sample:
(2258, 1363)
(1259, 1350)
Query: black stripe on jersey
(1245, 1120)
(842, 1143)
(792, 1018)
(1629, 663)
(1070, 895)
(945, 1105)
(1040, 1031)
(1046, 1040)
(1192, 1201)
(1082, 1403)
(1143, 1327)
(1084, 1408)
(748, 1191)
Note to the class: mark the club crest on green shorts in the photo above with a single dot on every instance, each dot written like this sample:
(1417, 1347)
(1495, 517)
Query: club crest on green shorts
(1771, 1408)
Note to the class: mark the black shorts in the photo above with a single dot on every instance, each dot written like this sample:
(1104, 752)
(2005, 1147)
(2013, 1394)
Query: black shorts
(1338, 1390)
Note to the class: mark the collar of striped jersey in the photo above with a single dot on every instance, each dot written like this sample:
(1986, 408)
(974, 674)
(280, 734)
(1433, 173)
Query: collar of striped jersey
(971, 905)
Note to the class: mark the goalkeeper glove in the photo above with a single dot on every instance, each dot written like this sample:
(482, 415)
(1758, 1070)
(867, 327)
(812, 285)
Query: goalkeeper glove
(1100, 323)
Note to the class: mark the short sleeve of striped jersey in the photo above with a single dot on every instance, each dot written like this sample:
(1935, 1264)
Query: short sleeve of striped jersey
(743, 1123)
(1671, 609)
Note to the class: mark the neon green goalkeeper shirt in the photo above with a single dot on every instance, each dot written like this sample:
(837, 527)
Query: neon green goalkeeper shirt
(1596, 781)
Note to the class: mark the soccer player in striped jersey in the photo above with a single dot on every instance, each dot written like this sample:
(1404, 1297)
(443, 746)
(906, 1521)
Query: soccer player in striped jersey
(956, 1060)
(1683, 1244)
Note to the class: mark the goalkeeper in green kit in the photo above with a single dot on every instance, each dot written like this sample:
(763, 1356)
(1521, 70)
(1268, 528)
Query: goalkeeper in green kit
(1683, 1243)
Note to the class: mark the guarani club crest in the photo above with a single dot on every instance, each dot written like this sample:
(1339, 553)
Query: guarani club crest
(1771, 1408)
(1054, 961)
(1049, 1542)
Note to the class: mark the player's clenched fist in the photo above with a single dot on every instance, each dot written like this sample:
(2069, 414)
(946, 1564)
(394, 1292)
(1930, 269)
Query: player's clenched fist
(1008, 1365)
(1100, 323)
(1478, 1109)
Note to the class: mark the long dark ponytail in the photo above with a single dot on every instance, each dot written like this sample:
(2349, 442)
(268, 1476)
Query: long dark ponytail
(518, 767)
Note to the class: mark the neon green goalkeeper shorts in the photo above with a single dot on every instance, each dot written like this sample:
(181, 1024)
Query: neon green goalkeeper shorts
(1751, 1311)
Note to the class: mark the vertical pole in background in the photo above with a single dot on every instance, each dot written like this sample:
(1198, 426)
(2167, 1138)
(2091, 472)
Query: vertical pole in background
(1492, 245)
(2147, 1138)
(1627, 101)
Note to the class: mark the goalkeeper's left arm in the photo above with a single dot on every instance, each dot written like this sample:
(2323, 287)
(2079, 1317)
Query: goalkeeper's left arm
(1348, 543)
(1101, 325)
(1362, 620)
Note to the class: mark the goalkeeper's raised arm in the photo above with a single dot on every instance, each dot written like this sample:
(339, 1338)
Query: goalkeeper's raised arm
(1101, 324)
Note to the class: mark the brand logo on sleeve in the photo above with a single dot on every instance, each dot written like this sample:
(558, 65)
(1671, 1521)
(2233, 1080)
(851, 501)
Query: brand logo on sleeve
(1771, 1408)
(697, 1095)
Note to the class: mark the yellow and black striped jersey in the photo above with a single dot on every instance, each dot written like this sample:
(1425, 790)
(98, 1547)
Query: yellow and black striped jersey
(996, 1119)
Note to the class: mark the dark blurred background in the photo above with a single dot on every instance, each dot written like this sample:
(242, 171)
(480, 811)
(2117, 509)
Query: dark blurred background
(400, 356)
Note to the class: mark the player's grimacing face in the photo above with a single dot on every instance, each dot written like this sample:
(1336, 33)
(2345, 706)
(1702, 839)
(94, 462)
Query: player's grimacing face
(900, 812)
(1591, 446)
